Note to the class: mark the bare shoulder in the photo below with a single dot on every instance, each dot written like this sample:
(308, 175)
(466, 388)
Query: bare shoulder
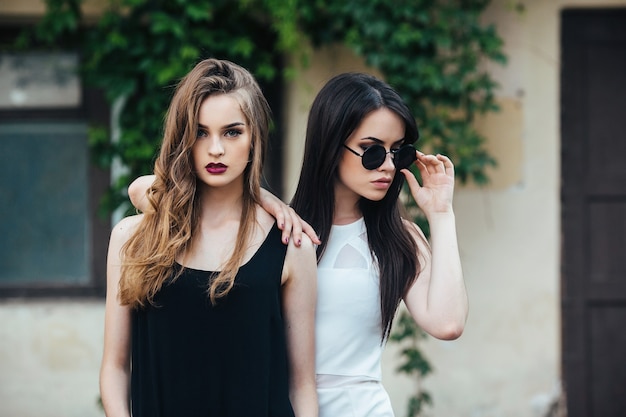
(264, 219)
(126, 227)
(306, 245)
(300, 261)
(303, 253)
(120, 234)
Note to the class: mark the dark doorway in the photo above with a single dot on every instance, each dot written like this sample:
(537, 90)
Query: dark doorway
(593, 196)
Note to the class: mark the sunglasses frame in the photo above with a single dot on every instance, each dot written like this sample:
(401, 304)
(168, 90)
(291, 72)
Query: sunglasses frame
(393, 153)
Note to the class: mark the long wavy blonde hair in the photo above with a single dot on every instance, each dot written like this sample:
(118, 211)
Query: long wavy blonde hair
(165, 233)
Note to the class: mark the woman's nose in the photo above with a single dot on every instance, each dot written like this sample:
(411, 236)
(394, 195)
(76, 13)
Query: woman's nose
(215, 147)
(388, 163)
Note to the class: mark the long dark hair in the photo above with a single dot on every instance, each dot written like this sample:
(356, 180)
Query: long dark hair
(337, 111)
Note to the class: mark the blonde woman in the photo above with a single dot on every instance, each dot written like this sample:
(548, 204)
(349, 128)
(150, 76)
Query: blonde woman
(208, 313)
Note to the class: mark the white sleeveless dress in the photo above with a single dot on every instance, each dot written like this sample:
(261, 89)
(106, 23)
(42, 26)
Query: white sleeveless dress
(348, 330)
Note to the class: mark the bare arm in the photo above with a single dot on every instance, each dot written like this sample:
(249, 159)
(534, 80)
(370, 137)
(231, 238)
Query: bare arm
(299, 297)
(437, 300)
(287, 219)
(115, 367)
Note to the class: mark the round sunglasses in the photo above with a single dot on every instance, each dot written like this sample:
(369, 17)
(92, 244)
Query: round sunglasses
(374, 156)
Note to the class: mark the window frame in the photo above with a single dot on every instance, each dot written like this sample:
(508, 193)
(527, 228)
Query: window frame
(93, 109)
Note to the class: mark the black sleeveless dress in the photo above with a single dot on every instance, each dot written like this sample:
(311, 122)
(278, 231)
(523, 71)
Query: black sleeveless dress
(192, 359)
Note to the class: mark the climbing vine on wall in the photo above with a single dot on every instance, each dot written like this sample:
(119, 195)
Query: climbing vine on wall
(431, 51)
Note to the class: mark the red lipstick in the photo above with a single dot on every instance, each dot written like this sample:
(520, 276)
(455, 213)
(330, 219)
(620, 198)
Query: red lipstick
(216, 168)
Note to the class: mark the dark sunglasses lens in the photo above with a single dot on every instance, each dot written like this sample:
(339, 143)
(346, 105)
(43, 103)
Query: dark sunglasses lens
(373, 157)
(404, 157)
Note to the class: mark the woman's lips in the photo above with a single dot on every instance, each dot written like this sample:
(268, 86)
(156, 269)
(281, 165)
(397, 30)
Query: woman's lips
(216, 168)
(382, 183)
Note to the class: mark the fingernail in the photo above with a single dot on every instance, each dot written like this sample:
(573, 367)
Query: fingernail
(286, 240)
(299, 242)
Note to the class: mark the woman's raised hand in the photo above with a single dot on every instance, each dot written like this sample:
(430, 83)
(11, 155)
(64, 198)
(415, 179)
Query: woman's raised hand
(435, 193)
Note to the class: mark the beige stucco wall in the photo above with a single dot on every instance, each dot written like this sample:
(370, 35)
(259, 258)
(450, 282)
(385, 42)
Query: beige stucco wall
(23, 9)
(50, 355)
(506, 363)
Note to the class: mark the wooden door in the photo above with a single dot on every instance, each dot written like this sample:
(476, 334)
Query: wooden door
(593, 195)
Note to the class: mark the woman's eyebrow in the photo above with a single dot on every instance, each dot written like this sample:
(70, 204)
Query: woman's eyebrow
(228, 126)
(372, 138)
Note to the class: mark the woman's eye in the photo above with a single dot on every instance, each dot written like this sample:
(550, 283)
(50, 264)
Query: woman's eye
(232, 133)
(201, 133)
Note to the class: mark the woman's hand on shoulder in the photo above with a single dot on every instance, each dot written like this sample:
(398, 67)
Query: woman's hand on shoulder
(434, 195)
(291, 224)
